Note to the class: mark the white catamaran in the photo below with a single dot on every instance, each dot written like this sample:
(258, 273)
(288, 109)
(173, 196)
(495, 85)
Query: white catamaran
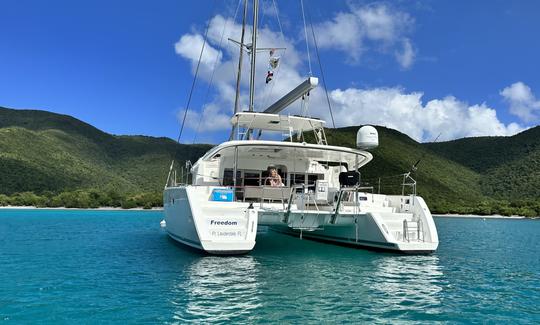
(310, 190)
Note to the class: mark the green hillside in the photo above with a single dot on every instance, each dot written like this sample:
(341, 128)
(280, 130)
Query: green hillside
(53, 160)
(510, 166)
(440, 181)
(42, 151)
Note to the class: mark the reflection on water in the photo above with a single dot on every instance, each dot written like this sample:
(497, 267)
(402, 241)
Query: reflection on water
(317, 281)
(214, 288)
(407, 283)
(484, 271)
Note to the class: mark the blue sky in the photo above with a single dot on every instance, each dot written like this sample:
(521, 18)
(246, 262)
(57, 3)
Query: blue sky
(464, 68)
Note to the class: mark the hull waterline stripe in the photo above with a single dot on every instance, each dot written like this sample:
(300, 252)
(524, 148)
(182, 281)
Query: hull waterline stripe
(340, 239)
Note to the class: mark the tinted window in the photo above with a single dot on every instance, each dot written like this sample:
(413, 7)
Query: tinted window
(252, 178)
(228, 177)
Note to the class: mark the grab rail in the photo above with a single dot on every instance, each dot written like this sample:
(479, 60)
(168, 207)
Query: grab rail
(340, 198)
(293, 191)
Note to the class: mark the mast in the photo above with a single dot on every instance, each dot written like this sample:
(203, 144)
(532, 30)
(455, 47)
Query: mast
(253, 54)
(239, 76)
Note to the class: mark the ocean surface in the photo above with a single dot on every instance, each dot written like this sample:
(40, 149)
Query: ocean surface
(119, 266)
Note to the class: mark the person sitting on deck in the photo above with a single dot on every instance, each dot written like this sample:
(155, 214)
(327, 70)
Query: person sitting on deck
(273, 178)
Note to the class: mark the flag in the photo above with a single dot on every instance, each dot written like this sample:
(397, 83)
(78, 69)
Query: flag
(269, 76)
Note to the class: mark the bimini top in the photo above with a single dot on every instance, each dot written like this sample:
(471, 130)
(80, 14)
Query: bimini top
(275, 122)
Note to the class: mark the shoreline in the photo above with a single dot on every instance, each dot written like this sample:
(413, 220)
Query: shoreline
(474, 216)
(17, 207)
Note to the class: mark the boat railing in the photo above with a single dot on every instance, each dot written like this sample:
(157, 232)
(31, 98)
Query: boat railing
(415, 228)
(403, 184)
(409, 182)
(293, 188)
(352, 189)
(180, 176)
(272, 194)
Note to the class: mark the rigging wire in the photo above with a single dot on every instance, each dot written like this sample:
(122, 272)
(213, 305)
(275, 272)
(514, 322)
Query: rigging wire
(189, 100)
(194, 81)
(261, 22)
(305, 34)
(321, 68)
(214, 71)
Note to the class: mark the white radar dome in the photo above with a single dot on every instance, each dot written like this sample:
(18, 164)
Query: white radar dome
(367, 137)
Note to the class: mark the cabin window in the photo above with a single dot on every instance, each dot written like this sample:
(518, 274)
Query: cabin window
(297, 179)
(228, 177)
(312, 179)
(252, 178)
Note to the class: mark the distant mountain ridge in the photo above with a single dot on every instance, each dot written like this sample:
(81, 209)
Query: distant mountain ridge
(43, 151)
(47, 152)
(510, 165)
(465, 171)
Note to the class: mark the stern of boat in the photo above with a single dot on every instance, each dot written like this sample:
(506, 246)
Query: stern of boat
(197, 217)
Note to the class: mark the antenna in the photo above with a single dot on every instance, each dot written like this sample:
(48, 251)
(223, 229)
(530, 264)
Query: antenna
(415, 166)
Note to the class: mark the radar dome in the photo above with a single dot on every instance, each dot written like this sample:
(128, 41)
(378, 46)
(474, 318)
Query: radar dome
(367, 137)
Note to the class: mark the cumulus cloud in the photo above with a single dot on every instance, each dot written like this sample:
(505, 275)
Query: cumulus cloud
(522, 102)
(393, 107)
(189, 46)
(405, 56)
(377, 25)
(397, 109)
(286, 77)
(212, 118)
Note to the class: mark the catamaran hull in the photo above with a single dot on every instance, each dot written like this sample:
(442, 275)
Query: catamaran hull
(221, 230)
(342, 236)
(231, 227)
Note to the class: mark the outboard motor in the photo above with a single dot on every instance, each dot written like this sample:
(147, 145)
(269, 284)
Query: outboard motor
(367, 138)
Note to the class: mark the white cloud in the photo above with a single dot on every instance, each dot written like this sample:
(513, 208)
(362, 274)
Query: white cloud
(405, 57)
(343, 33)
(392, 107)
(212, 119)
(376, 25)
(405, 112)
(381, 22)
(522, 102)
(189, 46)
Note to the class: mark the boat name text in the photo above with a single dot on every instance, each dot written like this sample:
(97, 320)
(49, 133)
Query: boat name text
(223, 223)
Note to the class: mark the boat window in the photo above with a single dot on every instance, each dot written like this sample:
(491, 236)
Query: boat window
(312, 179)
(228, 177)
(333, 164)
(252, 178)
(298, 179)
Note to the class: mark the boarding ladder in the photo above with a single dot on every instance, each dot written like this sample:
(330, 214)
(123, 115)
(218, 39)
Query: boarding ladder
(413, 230)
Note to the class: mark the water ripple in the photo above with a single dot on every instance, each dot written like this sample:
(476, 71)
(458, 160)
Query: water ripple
(120, 267)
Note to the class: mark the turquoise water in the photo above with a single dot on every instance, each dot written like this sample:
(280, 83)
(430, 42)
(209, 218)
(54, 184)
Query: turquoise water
(98, 266)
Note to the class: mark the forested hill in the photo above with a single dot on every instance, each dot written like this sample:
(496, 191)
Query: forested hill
(42, 151)
(510, 165)
(45, 154)
(440, 181)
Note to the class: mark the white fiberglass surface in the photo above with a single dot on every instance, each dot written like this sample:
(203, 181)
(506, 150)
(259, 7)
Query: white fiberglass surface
(273, 151)
(275, 122)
